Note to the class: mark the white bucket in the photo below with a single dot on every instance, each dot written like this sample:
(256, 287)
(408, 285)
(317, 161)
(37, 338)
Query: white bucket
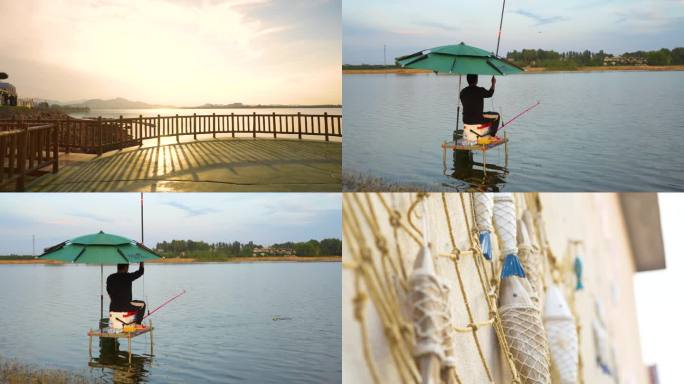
(114, 318)
(472, 132)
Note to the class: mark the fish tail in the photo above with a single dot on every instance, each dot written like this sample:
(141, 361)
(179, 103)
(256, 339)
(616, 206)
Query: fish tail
(512, 267)
(486, 244)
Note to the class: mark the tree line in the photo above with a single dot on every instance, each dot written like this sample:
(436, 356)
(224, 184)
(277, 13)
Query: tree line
(573, 59)
(204, 250)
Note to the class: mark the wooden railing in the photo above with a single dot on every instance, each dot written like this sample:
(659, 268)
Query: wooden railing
(26, 149)
(102, 134)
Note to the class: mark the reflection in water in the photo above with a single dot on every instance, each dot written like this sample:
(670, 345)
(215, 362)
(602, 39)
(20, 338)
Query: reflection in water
(112, 364)
(475, 175)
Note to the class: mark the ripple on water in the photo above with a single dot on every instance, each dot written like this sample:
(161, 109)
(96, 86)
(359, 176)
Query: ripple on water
(592, 132)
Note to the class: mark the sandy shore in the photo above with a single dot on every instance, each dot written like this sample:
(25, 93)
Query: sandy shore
(180, 260)
(404, 71)
(29, 261)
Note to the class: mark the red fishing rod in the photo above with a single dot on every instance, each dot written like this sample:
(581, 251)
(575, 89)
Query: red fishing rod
(519, 114)
(166, 302)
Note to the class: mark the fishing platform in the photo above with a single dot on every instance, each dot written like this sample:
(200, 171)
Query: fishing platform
(455, 146)
(106, 332)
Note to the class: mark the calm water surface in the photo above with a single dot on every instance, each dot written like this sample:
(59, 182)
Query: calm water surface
(609, 131)
(221, 330)
(113, 113)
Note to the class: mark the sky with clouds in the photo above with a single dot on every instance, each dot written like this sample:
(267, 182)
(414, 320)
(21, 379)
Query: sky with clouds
(264, 218)
(407, 26)
(177, 52)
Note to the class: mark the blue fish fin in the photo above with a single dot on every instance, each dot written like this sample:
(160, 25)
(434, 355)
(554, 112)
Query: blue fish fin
(512, 267)
(486, 244)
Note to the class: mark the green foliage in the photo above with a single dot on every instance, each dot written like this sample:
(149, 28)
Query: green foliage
(331, 247)
(572, 60)
(204, 251)
(677, 56)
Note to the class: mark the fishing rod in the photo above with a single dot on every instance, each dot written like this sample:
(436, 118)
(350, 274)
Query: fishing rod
(498, 38)
(161, 306)
(519, 114)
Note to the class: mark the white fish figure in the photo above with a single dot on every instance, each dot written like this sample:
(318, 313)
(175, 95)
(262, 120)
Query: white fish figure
(448, 337)
(601, 342)
(522, 324)
(530, 258)
(429, 318)
(484, 205)
(520, 316)
(562, 335)
(505, 223)
(528, 218)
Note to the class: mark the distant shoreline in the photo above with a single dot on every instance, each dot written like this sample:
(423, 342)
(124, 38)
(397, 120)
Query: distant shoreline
(405, 71)
(187, 260)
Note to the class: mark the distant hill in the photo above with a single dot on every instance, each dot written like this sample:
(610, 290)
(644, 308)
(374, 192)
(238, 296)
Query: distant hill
(118, 103)
(265, 106)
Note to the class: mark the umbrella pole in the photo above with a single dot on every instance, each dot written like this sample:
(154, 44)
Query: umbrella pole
(101, 292)
(458, 107)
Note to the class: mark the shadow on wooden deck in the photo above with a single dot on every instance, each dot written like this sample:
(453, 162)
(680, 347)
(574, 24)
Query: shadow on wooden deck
(206, 166)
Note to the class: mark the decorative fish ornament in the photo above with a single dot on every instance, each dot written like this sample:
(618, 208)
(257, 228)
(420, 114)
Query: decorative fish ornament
(579, 268)
(520, 316)
(484, 204)
(448, 337)
(530, 259)
(522, 325)
(429, 319)
(601, 341)
(505, 223)
(561, 331)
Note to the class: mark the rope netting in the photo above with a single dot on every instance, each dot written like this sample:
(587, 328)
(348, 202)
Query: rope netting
(426, 295)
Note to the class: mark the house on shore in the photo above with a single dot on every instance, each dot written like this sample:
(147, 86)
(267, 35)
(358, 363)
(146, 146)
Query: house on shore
(623, 60)
(8, 94)
(266, 251)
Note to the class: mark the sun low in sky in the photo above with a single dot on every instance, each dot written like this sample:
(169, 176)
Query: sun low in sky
(265, 218)
(177, 52)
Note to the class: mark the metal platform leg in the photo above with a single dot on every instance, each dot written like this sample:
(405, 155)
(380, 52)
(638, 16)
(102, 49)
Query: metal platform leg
(129, 349)
(90, 347)
(151, 339)
(506, 149)
(484, 161)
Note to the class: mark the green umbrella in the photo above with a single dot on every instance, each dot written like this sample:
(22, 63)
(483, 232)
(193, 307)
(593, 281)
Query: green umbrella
(460, 59)
(100, 248)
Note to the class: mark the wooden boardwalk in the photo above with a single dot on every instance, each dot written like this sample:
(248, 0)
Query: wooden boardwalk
(240, 164)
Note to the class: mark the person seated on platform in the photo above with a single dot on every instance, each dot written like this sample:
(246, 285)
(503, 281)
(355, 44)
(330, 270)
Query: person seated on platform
(472, 98)
(119, 288)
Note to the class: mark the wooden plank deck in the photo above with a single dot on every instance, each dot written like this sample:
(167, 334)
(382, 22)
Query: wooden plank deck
(120, 335)
(240, 164)
(479, 147)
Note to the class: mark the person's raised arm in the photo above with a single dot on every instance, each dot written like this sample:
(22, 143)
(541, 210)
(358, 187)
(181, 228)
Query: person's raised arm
(139, 272)
(490, 92)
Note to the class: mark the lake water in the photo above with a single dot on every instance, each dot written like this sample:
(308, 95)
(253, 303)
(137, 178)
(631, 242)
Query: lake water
(221, 330)
(613, 131)
(114, 113)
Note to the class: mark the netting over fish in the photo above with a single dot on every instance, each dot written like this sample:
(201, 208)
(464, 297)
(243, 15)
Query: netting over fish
(435, 301)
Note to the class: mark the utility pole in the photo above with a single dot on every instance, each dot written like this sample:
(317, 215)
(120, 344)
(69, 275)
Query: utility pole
(34, 246)
(384, 54)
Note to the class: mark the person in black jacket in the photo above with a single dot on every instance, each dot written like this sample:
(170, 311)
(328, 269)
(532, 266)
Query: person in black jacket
(119, 288)
(472, 98)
